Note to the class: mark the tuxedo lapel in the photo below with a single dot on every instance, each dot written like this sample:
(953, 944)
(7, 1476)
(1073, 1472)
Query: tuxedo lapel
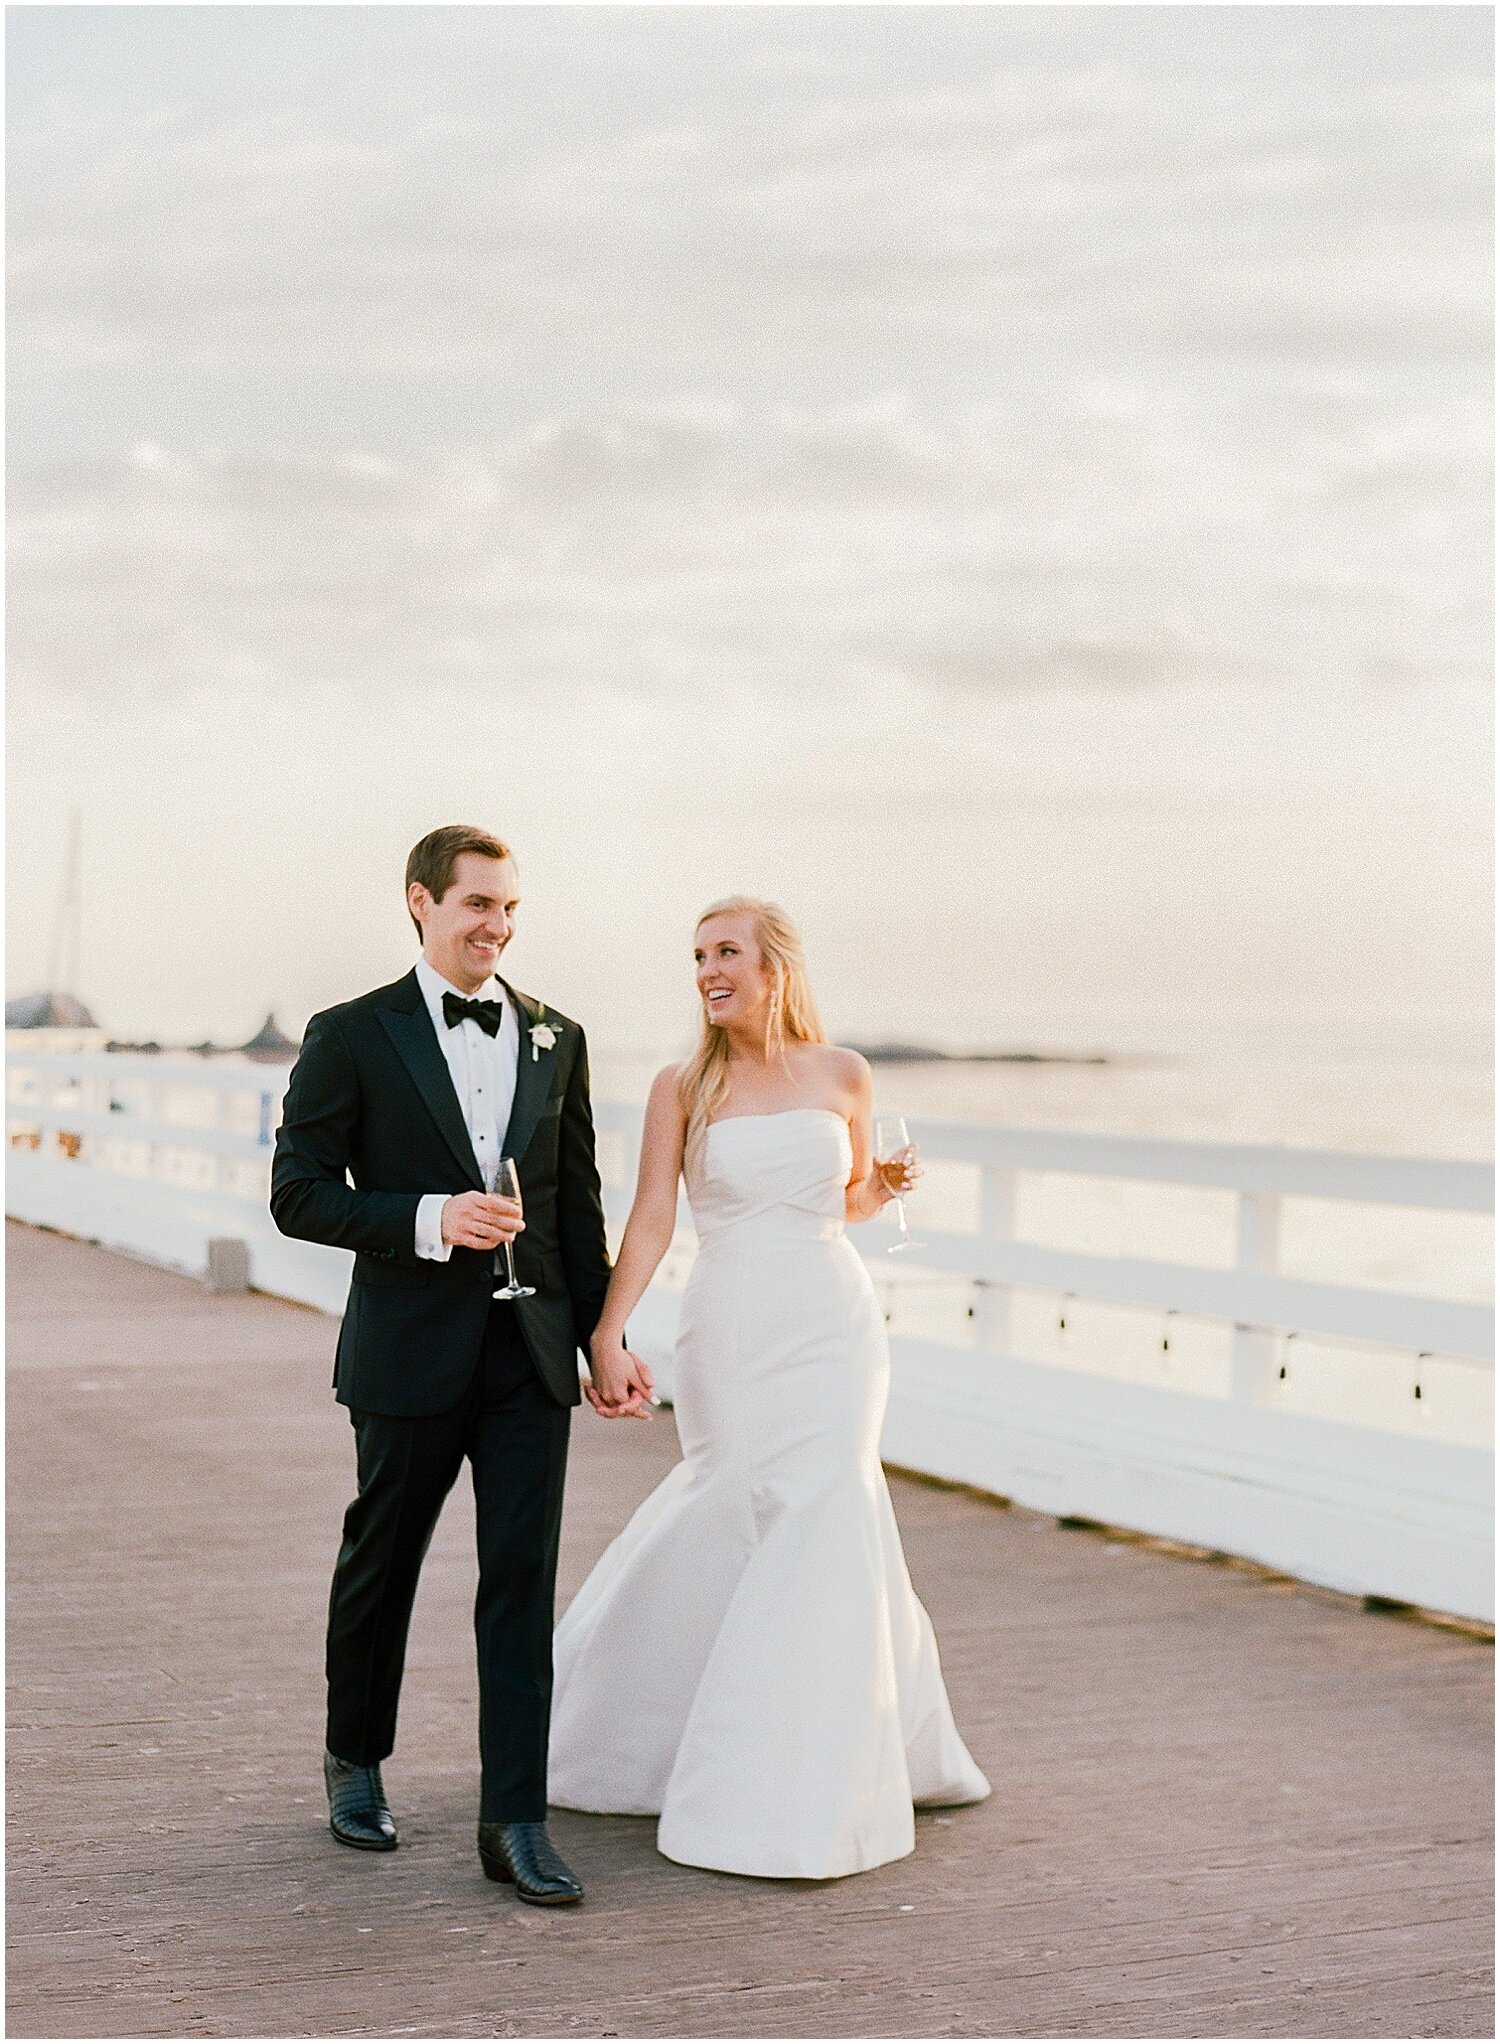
(533, 1081)
(410, 1029)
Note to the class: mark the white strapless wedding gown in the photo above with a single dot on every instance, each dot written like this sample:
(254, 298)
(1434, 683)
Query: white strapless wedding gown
(748, 1657)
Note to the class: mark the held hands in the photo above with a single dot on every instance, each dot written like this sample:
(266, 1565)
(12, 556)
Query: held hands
(481, 1220)
(622, 1386)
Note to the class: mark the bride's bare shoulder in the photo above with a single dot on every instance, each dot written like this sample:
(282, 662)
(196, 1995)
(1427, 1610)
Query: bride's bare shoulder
(845, 1071)
(664, 1102)
(665, 1121)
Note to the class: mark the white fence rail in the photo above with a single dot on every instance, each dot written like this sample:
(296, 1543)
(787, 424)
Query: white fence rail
(158, 1156)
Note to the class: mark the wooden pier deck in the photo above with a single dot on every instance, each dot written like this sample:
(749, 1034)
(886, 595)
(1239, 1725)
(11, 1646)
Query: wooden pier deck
(1225, 1805)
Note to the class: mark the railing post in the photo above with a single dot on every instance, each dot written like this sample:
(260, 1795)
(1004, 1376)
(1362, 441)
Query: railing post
(154, 1106)
(225, 1166)
(999, 1191)
(1258, 1248)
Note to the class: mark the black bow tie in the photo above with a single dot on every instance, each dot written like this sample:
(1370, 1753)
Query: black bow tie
(488, 1014)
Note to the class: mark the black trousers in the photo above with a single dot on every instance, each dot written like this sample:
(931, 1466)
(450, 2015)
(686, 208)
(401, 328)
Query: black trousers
(516, 1438)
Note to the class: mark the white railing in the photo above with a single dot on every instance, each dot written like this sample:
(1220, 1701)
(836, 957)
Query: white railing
(1208, 1443)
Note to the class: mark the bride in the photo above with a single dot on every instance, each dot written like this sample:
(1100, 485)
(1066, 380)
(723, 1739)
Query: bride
(748, 1658)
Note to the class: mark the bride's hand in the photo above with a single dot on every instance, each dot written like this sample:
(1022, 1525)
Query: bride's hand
(894, 1176)
(621, 1385)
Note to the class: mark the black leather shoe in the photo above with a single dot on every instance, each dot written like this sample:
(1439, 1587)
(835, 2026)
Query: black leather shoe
(357, 1813)
(523, 1853)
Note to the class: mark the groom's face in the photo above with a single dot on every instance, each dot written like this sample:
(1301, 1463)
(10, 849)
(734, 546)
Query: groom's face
(464, 933)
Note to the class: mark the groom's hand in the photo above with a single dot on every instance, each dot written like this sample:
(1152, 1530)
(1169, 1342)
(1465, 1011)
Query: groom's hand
(481, 1220)
(621, 1385)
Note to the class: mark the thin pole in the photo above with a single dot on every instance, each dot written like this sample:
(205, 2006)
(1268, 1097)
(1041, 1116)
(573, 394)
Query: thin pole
(63, 953)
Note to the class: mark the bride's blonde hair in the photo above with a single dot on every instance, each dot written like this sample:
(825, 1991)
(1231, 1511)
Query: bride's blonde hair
(704, 1079)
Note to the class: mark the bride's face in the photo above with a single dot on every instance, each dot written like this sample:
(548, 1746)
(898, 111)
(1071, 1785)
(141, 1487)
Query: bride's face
(733, 984)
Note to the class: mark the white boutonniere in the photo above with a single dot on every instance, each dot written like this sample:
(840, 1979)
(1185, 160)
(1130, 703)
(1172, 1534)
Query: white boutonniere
(543, 1035)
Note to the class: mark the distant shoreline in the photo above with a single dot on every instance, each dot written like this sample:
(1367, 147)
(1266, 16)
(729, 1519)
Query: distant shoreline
(877, 1053)
(919, 1054)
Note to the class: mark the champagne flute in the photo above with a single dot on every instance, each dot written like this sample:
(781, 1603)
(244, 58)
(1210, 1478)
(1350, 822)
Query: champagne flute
(891, 1136)
(508, 1183)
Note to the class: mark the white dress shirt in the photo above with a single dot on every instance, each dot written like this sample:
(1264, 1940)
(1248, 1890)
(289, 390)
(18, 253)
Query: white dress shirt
(483, 1069)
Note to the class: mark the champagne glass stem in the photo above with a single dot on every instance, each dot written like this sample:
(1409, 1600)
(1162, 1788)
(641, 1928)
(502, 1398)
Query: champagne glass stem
(507, 1180)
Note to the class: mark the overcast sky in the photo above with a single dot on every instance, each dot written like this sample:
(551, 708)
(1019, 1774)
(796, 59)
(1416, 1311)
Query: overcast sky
(1012, 483)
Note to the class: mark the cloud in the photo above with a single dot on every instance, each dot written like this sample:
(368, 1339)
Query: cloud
(656, 549)
(956, 353)
(1039, 205)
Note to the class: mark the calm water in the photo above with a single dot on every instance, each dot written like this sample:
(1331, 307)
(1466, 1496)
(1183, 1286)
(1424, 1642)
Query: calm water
(1400, 1106)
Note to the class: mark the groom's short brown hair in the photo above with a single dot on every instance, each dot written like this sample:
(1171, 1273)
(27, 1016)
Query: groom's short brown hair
(433, 858)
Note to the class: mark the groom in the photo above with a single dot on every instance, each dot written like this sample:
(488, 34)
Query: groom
(414, 1093)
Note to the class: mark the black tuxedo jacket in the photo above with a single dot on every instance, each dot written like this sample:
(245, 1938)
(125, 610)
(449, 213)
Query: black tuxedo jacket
(370, 1123)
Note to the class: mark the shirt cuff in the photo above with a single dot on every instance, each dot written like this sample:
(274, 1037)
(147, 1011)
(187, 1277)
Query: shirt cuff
(429, 1230)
